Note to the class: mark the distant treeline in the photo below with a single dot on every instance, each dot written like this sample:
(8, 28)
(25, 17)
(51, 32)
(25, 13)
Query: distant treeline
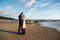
(2, 17)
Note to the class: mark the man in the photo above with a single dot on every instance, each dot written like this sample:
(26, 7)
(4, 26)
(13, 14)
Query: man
(21, 24)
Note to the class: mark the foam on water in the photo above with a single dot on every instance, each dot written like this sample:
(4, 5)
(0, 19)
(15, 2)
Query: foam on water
(51, 24)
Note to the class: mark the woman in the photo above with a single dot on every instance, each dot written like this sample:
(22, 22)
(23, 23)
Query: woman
(23, 24)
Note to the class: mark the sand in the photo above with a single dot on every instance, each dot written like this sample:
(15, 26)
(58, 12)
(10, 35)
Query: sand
(8, 31)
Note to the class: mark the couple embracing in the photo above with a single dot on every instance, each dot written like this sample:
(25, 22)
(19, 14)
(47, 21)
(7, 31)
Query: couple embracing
(22, 25)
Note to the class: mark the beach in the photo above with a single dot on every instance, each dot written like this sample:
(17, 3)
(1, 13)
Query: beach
(8, 31)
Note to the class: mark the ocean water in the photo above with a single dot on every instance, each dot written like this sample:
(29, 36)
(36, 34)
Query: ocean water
(51, 24)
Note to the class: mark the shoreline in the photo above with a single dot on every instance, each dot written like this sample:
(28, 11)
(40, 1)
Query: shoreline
(14, 21)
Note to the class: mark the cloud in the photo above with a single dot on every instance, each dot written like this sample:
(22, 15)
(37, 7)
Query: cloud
(45, 7)
(31, 11)
(52, 15)
(50, 12)
(0, 9)
(42, 5)
(56, 6)
(8, 7)
(7, 12)
(30, 3)
(23, 1)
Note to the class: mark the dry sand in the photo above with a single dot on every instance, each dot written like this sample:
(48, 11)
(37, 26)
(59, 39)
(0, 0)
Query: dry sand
(8, 31)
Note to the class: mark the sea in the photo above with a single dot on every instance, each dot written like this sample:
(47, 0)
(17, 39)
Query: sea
(51, 24)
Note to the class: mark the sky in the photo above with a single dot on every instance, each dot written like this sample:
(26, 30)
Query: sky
(32, 9)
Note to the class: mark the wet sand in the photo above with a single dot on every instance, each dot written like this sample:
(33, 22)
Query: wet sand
(8, 31)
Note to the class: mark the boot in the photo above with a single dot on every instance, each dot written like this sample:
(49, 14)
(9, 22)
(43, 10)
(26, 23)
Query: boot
(23, 31)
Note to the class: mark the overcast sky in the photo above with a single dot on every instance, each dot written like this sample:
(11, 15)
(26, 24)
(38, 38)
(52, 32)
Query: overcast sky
(32, 9)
